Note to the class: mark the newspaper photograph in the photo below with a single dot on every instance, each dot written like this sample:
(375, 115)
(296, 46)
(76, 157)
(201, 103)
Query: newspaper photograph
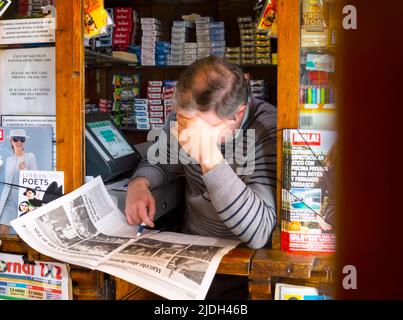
(33, 281)
(86, 228)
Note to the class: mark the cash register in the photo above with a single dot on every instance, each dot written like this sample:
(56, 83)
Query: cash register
(111, 156)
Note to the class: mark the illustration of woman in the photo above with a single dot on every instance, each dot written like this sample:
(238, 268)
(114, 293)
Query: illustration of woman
(20, 160)
(23, 208)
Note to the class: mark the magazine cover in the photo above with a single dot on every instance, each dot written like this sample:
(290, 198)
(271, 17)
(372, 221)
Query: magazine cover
(20, 149)
(308, 195)
(37, 280)
(39, 188)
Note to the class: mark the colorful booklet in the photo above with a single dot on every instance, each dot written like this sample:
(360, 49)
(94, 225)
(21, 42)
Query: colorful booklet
(20, 149)
(39, 188)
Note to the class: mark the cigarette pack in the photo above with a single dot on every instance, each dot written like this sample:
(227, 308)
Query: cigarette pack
(143, 126)
(147, 21)
(142, 120)
(155, 83)
(156, 114)
(157, 126)
(151, 27)
(157, 120)
(140, 108)
(143, 102)
(169, 102)
(154, 96)
(154, 102)
(156, 108)
(204, 20)
(167, 89)
(186, 24)
(170, 83)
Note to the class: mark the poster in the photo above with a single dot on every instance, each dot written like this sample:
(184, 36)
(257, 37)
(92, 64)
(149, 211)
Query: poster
(33, 121)
(20, 149)
(27, 81)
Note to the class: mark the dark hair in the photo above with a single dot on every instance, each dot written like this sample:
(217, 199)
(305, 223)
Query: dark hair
(212, 83)
(19, 206)
(29, 189)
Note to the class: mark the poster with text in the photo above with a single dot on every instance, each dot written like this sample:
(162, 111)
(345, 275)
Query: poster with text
(27, 81)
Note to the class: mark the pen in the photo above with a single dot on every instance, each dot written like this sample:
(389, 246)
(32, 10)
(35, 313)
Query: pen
(140, 230)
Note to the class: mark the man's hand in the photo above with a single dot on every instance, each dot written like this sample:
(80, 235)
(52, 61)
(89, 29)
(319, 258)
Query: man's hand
(140, 203)
(199, 139)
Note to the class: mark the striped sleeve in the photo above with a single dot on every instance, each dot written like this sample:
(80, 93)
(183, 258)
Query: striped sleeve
(246, 204)
(157, 166)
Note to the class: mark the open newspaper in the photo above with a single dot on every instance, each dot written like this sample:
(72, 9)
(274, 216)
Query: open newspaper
(86, 228)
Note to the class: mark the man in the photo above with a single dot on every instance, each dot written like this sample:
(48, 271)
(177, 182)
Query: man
(212, 103)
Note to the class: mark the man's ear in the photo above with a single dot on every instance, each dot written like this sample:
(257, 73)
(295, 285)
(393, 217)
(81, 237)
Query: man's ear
(241, 112)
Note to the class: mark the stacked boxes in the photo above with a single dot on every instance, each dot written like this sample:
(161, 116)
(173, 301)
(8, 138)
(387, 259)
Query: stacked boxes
(155, 104)
(182, 51)
(255, 43)
(125, 20)
(233, 54)
(141, 114)
(152, 34)
(169, 92)
(161, 97)
(210, 37)
(162, 50)
(125, 89)
(258, 89)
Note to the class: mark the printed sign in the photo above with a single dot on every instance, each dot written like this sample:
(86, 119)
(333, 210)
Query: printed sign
(18, 31)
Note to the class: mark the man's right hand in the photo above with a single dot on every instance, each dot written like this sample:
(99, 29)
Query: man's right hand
(140, 203)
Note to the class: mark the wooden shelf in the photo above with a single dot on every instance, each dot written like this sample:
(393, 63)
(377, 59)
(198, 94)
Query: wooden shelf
(96, 59)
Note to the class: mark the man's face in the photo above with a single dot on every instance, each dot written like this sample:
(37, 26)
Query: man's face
(30, 195)
(185, 119)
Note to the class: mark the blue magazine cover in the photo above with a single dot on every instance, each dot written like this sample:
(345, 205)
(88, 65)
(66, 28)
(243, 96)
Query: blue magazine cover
(20, 149)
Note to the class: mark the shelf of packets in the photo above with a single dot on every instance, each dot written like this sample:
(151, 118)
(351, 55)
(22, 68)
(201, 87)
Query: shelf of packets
(317, 94)
(308, 191)
(126, 88)
(133, 112)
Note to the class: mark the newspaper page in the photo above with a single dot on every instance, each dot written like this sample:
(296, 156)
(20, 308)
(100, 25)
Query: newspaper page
(33, 281)
(83, 227)
(175, 266)
(86, 228)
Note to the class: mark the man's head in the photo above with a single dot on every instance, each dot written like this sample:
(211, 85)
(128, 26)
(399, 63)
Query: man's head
(214, 90)
(29, 193)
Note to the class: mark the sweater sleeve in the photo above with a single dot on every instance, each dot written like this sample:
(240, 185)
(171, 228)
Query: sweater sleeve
(158, 167)
(246, 204)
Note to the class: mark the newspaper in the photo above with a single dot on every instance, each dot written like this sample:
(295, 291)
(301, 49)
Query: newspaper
(86, 228)
(20, 280)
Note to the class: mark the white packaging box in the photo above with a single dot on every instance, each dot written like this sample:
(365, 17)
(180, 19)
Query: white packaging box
(154, 89)
(190, 45)
(151, 27)
(156, 114)
(145, 21)
(156, 120)
(156, 108)
(154, 102)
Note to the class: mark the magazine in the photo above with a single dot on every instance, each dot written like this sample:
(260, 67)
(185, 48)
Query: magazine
(86, 228)
(20, 280)
(308, 191)
(37, 188)
(20, 149)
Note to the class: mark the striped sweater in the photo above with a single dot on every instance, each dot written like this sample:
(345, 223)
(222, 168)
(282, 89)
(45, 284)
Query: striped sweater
(226, 202)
